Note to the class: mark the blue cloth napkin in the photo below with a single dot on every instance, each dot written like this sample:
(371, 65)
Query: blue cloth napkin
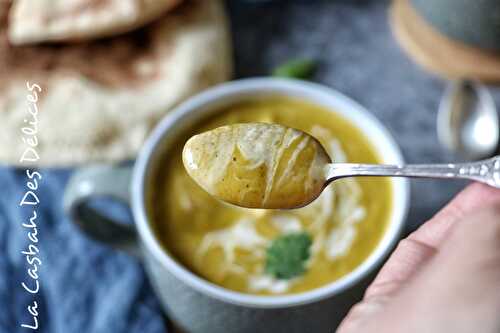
(83, 286)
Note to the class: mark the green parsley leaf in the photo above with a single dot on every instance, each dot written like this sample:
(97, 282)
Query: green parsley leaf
(297, 69)
(287, 255)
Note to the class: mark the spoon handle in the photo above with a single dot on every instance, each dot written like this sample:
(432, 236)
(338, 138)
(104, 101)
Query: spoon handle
(487, 171)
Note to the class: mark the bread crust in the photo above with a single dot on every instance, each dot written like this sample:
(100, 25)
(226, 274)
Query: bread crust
(80, 20)
(85, 117)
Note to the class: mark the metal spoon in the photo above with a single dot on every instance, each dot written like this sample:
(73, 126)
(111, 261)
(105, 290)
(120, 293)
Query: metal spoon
(485, 171)
(257, 165)
(468, 121)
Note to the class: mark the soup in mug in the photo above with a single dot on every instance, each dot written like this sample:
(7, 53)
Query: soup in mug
(273, 252)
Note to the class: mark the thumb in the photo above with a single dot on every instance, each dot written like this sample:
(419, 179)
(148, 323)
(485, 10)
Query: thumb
(453, 289)
(415, 252)
(457, 291)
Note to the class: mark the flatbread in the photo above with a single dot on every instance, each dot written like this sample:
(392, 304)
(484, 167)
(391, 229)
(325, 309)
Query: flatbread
(100, 100)
(63, 20)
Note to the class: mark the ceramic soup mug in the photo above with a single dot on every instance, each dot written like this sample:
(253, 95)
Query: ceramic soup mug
(193, 303)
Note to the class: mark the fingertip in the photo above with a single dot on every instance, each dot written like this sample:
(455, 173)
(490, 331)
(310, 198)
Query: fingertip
(473, 198)
(479, 227)
(477, 193)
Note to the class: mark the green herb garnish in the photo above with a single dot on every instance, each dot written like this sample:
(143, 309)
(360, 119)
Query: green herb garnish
(297, 69)
(287, 255)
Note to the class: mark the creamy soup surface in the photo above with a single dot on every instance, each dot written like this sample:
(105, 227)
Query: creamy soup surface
(272, 252)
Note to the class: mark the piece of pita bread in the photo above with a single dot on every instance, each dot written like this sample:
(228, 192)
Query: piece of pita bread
(63, 20)
(100, 100)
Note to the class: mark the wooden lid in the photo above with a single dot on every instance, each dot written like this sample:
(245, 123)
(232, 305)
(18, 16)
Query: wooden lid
(436, 52)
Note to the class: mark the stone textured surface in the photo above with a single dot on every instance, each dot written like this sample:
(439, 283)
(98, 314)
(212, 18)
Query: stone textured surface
(87, 287)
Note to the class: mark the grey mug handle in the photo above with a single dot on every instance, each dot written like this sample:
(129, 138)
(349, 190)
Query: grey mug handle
(101, 181)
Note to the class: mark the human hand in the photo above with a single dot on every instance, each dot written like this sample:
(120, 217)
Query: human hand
(445, 277)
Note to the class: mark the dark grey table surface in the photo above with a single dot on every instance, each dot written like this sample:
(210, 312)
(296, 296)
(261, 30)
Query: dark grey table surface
(86, 287)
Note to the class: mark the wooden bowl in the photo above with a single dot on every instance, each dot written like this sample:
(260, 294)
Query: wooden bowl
(439, 53)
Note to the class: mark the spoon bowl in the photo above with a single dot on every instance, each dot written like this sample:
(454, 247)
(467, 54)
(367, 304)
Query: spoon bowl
(468, 121)
(257, 165)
